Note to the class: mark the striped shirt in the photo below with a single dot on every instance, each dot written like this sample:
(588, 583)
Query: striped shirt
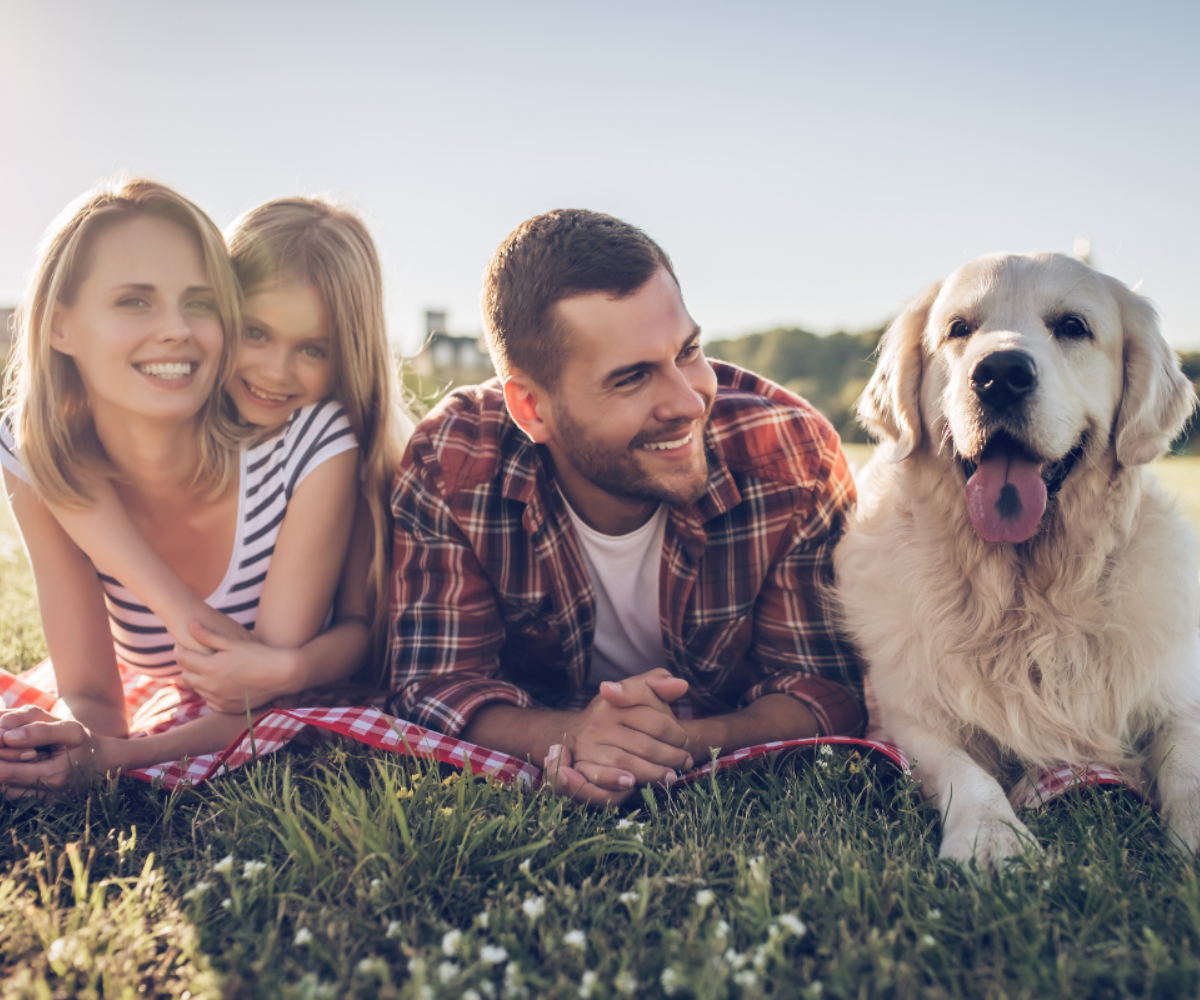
(269, 473)
(491, 600)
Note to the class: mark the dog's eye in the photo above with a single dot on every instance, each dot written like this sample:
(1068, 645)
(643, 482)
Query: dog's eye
(959, 328)
(1070, 327)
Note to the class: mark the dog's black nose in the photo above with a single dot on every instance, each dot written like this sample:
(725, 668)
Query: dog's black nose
(1004, 378)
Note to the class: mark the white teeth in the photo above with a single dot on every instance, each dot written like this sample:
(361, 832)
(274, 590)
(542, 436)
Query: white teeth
(269, 397)
(167, 369)
(666, 445)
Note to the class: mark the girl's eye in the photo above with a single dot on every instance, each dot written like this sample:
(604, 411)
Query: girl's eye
(312, 351)
(202, 306)
(254, 333)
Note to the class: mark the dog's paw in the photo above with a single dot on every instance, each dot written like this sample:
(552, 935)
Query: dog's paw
(1182, 816)
(991, 841)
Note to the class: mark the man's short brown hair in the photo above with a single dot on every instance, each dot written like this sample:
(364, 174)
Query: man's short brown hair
(549, 258)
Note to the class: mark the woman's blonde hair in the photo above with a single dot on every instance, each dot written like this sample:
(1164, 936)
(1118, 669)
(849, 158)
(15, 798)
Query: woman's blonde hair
(44, 396)
(319, 243)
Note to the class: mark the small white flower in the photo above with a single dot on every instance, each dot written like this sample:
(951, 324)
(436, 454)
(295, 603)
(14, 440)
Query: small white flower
(303, 936)
(225, 865)
(935, 914)
(447, 971)
(624, 823)
(226, 903)
(826, 750)
(393, 928)
(489, 989)
(252, 868)
(481, 920)
(376, 883)
(368, 965)
(492, 954)
(426, 992)
(705, 897)
(587, 983)
(56, 949)
(735, 958)
(471, 995)
(628, 897)
(927, 939)
(534, 907)
(760, 958)
(773, 931)
(450, 942)
(669, 980)
(626, 983)
(816, 988)
(523, 867)
(745, 979)
(721, 930)
(575, 939)
(416, 966)
(198, 890)
(793, 924)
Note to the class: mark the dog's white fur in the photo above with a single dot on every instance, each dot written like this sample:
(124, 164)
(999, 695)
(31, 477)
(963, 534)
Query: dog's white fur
(1080, 645)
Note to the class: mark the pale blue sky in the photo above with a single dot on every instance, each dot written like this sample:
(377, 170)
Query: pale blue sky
(812, 164)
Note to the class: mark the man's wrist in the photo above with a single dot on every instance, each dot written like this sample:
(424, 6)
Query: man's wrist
(704, 736)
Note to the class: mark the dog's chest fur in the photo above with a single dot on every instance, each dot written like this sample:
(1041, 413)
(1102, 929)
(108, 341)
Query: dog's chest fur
(1066, 648)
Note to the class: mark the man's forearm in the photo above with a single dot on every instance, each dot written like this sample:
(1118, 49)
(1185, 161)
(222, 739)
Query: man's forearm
(525, 733)
(772, 717)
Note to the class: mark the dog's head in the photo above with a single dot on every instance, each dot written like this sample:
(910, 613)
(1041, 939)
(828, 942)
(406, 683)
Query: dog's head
(1017, 365)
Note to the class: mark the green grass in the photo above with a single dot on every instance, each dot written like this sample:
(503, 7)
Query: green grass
(335, 871)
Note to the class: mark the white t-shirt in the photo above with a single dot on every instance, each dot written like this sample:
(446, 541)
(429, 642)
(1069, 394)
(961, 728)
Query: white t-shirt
(624, 571)
(268, 473)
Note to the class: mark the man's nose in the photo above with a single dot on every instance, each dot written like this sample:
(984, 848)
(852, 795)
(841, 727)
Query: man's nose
(683, 399)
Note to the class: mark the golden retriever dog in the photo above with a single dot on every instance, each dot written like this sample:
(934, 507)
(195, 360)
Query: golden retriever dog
(1022, 591)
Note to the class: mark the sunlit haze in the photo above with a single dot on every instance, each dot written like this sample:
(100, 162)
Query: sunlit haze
(803, 164)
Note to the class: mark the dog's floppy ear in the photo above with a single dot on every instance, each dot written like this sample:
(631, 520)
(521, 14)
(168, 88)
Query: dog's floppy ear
(890, 407)
(1158, 398)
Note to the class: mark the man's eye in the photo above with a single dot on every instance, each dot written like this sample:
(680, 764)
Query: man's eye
(630, 380)
(689, 352)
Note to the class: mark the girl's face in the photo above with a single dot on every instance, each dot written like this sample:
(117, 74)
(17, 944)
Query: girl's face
(144, 329)
(283, 362)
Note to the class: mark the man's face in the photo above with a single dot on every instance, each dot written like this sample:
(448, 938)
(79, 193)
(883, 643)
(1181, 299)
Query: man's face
(626, 420)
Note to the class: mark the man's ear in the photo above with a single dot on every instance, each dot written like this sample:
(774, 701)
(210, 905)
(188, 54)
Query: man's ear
(529, 405)
(59, 340)
(1157, 399)
(889, 407)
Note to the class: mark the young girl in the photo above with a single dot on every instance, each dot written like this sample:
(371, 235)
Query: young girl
(142, 262)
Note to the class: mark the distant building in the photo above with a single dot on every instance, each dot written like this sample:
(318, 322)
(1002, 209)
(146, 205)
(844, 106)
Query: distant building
(448, 359)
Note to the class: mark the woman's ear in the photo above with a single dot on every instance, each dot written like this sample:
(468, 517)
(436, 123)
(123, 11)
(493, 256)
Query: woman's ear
(529, 405)
(890, 407)
(1157, 399)
(59, 340)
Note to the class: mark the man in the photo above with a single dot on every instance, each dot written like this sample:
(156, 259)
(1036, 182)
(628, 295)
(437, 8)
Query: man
(611, 558)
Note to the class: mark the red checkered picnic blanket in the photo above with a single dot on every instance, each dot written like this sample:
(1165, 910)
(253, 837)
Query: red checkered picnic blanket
(157, 704)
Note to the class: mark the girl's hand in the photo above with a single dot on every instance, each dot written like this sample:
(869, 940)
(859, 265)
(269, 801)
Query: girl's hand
(240, 673)
(66, 755)
(179, 626)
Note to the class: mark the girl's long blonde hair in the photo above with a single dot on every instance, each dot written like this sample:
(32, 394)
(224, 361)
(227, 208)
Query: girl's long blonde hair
(322, 244)
(44, 396)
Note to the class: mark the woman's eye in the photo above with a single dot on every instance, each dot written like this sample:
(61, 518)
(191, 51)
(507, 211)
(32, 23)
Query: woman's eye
(132, 302)
(254, 333)
(311, 351)
(202, 306)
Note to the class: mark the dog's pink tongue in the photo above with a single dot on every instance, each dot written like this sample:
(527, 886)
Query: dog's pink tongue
(1006, 498)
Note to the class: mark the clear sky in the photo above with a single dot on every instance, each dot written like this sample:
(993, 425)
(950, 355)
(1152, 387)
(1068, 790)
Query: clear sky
(803, 163)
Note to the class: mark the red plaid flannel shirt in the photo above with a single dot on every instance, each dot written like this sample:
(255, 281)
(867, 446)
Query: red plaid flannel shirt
(491, 600)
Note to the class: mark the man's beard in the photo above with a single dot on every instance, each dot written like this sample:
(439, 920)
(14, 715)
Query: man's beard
(617, 471)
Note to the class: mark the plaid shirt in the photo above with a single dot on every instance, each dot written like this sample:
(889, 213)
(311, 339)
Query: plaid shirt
(491, 600)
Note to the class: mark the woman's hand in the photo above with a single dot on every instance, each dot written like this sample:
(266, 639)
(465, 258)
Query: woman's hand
(239, 673)
(179, 625)
(56, 758)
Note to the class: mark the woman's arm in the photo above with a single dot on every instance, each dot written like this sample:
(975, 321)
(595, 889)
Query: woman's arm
(74, 617)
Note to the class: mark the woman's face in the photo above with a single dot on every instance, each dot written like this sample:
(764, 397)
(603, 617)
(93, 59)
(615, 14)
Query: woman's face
(283, 362)
(144, 329)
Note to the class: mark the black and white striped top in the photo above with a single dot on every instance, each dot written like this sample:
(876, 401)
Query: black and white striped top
(269, 474)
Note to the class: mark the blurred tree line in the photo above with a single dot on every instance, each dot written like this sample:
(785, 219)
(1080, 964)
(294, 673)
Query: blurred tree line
(831, 371)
